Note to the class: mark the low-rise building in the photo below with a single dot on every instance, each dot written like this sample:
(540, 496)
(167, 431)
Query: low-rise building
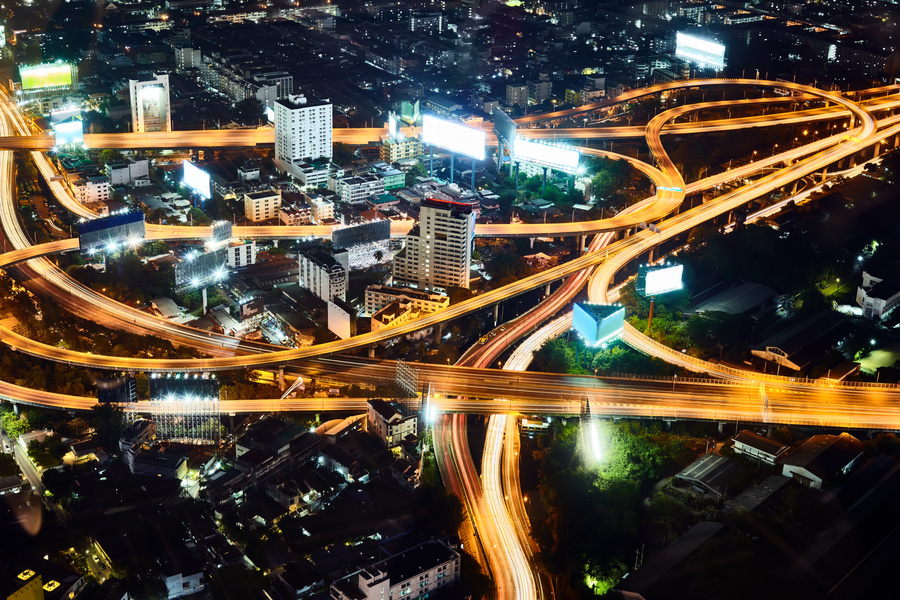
(393, 178)
(92, 188)
(418, 572)
(393, 150)
(322, 209)
(384, 420)
(241, 254)
(876, 296)
(758, 447)
(262, 205)
(148, 463)
(395, 313)
(355, 190)
(821, 458)
(297, 213)
(128, 172)
(323, 273)
(379, 296)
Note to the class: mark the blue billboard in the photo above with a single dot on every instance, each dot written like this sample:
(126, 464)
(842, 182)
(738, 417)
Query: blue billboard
(598, 323)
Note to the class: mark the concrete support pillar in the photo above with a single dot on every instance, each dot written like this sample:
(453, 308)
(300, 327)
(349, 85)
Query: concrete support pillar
(281, 378)
(547, 290)
(531, 241)
(431, 163)
(581, 241)
(16, 408)
(371, 351)
(793, 191)
(721, 426)
(499, 155)
(544, 185)
(668, 425)
(824, 174)
(440, 332)
(204, 299)
(651, 255)
(770, 430)
(452, 165)
(496, 313)
(517, 175)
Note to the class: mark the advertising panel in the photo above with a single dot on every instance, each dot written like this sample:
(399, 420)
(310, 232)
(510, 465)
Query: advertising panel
(112, 232)
(252, 307)
(554, 157)
(598, 323)
(171, 387)
(394, 127)
(196, 179)
(202, 269)
(706, 53)
(49, 75)
(658, 280)
(69, 132)
(453, 136)
(504, 127)
(364, 233)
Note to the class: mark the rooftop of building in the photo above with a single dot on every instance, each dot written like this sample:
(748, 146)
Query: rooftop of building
(261, 194)
(299, 101)
(763, 444)
(825, 455)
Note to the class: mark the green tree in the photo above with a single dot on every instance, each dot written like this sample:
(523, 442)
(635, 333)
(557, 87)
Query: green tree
(554, 356)
(109, 423)
(108, 155)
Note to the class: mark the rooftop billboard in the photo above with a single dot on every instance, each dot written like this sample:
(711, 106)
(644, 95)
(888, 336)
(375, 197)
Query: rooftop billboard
(196, 179)
(703, 52)
(554, 157)
(453, 136)
(48, 75)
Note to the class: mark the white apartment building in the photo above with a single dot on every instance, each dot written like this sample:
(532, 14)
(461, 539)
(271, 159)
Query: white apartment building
(150, 110)
(877, 296)
(379, 296)
(128, 172)
(187, 58)
(241, 254)
(439, 249)
(263, 205)
(322, 209)
(356, 189)
(323, 273)
(419, 572)
(386, 422)
(302, 131)
(93, 188)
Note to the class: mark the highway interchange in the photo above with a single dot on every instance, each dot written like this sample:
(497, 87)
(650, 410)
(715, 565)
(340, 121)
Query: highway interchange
(470, 386)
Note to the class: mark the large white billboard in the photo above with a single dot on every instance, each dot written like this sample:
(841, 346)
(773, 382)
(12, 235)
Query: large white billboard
(68, 132)
(196, 179)
(664, 280)
(705, 53)
(453, 136)
(555, 157)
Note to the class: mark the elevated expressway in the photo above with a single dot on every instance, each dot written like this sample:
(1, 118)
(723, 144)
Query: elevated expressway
(670, 179)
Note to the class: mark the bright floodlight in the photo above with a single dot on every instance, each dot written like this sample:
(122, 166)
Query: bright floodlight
(453, 136)
(705, 53)
(545, 155)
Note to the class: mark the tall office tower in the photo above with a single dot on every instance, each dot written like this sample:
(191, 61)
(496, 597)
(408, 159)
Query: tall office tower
(302, 131)
(150, 109)
(439, 249)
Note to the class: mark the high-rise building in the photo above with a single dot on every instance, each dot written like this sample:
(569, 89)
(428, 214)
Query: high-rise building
(324, 273)
(302, 131)
(150, 110)
(429, 22)
(439, 249)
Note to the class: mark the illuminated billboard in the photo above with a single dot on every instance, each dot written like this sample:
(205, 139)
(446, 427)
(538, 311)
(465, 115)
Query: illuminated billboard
(453, 136)
(705, 53)
(196, 179)
(68, 132)
(659, 279)
(394, 127)
(545, 155)
(598, 323)
(45, 76)
(201, 269)
(115, 232)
